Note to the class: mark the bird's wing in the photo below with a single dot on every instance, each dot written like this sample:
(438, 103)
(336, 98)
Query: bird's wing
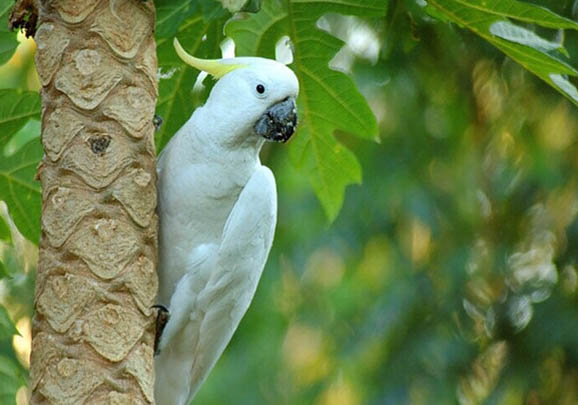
(188, 287)
(247, 239)
(221, 301)
(173, 363)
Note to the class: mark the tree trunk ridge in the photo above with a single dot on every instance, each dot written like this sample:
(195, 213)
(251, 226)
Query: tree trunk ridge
(93, 324)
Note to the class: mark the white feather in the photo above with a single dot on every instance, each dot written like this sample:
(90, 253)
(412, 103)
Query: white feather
(217, 209)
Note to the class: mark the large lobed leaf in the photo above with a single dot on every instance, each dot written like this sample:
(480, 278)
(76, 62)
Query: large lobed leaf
(328, 100)
(491, 19)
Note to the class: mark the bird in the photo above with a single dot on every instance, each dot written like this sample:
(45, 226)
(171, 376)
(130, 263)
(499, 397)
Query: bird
(217, 208)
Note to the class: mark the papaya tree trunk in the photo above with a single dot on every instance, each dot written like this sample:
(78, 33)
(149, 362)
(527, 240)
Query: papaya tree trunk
(93, 324)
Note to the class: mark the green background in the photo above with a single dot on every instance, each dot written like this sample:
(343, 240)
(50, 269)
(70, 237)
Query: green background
(447, 276)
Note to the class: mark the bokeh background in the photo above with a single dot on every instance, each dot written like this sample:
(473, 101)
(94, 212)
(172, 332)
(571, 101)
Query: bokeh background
(449, 276)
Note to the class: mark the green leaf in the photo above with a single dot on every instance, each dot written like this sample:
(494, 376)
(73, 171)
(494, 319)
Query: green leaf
(16, 108)
(27, 133)
(518, 10)
(20, 191)
(10, 262)
(3, 271)
(513, 33)
(176, 80)
(17, 185)
(252, 6)
(176, 99)
(11, 380)
(488, 19)
(564, 85)
(8, 42)
(213, 10)
(171, 14)
(328, 100)
(5, 233)
(7, 328)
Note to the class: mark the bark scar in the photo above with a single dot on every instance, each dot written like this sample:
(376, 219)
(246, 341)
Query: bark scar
(99, 144)
(24, 16)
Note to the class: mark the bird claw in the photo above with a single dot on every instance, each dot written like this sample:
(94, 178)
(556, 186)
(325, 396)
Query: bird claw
(157, 122)
(163, 316)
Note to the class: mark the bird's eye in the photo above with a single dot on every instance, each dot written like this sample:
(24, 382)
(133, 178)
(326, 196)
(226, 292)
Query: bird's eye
(260, 89)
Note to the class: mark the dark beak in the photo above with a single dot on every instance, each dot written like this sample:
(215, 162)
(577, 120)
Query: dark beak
(279, 122)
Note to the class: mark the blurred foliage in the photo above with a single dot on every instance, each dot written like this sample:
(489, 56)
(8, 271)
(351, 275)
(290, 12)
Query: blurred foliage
(449, 276)
(492, 21)
(17, 261)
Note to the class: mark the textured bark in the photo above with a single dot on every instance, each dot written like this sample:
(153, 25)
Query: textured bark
(93, 324)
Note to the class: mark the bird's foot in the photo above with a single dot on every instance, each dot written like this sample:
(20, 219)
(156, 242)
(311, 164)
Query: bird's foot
(157, 122)
(163, 316)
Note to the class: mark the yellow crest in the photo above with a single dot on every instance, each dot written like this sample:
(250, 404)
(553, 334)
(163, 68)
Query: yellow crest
(214, 67)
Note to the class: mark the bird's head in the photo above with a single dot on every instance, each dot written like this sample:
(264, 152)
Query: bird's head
(254, 96)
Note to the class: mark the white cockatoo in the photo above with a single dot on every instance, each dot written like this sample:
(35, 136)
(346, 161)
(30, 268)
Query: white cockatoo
(217, 210)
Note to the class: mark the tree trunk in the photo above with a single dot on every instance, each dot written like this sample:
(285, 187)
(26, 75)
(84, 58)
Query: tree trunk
(93, 324)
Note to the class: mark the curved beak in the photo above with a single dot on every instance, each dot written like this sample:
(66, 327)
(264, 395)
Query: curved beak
(279, 122)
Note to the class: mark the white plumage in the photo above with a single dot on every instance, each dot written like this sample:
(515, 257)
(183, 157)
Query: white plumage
(217, 210)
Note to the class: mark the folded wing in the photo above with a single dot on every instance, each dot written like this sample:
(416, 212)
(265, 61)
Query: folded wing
(212, 297)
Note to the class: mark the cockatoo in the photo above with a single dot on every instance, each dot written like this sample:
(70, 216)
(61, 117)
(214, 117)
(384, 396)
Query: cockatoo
(217, 209)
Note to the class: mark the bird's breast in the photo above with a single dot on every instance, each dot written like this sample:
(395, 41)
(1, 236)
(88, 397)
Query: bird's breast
(194, 205)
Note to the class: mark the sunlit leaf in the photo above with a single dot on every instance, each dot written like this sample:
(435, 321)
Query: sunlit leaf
(488, 19)
(20, 191)
(328, 100)
(565, 86)
(16, 108)
(523, 36)
(8, 42)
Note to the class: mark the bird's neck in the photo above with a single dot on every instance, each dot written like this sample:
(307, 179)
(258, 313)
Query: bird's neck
(219, 138)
